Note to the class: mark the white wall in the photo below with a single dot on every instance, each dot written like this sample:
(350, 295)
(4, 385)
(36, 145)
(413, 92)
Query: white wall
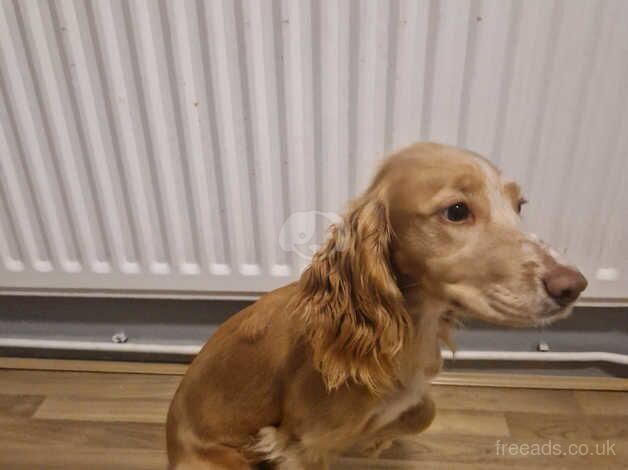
(161, 146)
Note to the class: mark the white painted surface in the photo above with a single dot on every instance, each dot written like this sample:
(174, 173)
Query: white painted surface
(192, 349)
(160, 146)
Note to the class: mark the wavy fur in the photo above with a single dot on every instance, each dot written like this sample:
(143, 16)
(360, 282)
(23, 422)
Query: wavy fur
(354, 312)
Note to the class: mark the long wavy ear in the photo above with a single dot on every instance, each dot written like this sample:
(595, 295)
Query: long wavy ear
(354, 312)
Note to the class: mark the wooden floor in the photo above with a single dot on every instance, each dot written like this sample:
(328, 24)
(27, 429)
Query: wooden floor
(86, 420)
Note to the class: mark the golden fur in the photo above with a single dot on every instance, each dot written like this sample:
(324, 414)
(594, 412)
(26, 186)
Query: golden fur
(353, 311)
(343, 358)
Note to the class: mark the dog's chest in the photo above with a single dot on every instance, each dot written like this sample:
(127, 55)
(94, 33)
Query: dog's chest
(400, 400)
(417, 376)
(420, 361)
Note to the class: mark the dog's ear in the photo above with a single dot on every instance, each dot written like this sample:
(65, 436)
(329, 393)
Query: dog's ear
(354, 312)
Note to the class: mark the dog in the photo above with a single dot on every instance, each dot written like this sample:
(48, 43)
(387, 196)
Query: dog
(342, 358)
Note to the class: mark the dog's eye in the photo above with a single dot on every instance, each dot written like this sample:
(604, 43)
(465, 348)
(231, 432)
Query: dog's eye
(520, 204)
(457, 212)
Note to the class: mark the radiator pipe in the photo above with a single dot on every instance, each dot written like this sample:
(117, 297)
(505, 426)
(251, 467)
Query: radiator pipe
(192, 349)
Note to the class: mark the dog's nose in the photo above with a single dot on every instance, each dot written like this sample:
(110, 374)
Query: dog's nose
(564, 284)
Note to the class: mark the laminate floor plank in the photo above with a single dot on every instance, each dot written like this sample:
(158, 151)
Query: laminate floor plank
(23, 406)
(142, 410)
(506, 399)
(38, 434)
(603, 403)
(88, 384)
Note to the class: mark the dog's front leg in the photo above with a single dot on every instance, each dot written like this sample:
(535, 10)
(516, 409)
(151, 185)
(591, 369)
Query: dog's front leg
(318, 465)
(412, 421)
(297, 464)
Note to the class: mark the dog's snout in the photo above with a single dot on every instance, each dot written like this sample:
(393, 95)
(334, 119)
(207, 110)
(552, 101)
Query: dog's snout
(564, 284)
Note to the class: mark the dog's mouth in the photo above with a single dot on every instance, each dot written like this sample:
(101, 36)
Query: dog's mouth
(543, 318)
(501, 306)
(499, 314)
(521, 316)
(554, 315)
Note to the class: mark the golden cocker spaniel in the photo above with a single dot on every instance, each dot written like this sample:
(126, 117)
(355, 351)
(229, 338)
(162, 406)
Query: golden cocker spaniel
(343, 358)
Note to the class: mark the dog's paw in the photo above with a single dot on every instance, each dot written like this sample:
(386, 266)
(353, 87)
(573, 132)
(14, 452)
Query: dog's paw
(374, 449)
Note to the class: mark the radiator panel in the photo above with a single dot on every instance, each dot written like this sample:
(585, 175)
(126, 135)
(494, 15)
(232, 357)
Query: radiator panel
(184, 147)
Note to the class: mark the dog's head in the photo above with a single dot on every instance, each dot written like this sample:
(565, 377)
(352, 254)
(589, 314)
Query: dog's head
(441, 219)
(458, 234)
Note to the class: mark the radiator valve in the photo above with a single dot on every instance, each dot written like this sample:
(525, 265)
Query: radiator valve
(119, 337)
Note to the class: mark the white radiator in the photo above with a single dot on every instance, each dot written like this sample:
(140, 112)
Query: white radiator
(184, 147)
